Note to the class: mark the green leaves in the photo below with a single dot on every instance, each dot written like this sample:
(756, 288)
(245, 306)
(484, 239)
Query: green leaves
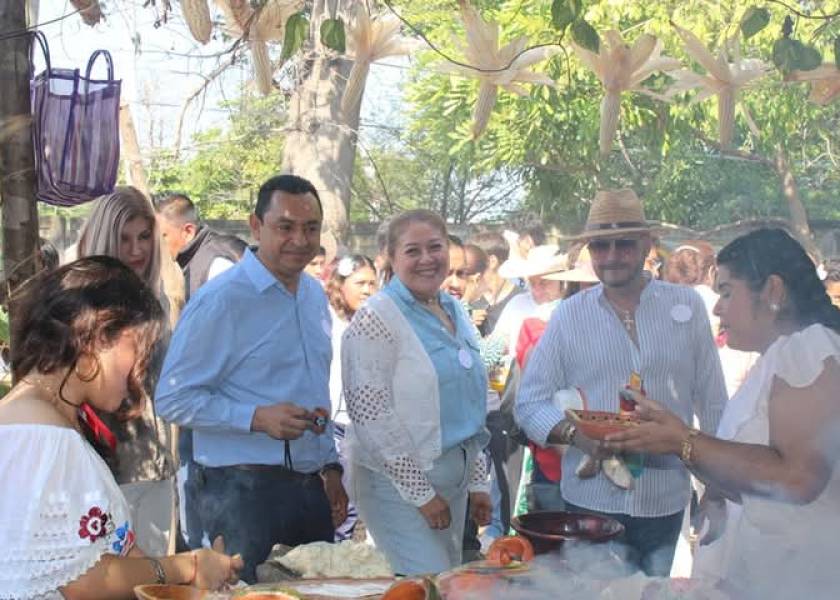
(754, 20)
(792, 55)
(332, 34)
(585, 35)
(297, 30)
(564, 13)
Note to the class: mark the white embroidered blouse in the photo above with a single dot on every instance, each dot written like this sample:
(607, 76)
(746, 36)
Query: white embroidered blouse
(60, 511)
(391, 390)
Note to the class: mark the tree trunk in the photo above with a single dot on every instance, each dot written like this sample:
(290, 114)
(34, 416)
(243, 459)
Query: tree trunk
(798, 215)
(135, 172)
(17, 156)
(321, 143)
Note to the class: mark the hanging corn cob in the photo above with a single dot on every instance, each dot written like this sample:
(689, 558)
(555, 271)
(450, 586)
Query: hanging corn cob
(505, 66)
(268, 25)
(825, 83)
(621, 68)
(197, 16)
(723, 79)
(237, 14)
(368, 40)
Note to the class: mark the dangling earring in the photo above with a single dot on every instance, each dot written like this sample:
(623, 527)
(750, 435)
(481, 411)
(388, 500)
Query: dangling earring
(85, 377)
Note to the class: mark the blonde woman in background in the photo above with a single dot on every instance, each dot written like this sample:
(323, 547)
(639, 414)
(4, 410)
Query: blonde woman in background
(122, 225)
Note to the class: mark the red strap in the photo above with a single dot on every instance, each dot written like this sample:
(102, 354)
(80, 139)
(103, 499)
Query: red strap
(100, 431)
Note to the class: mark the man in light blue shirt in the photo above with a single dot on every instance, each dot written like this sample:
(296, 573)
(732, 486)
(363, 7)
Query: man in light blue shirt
(246, 370)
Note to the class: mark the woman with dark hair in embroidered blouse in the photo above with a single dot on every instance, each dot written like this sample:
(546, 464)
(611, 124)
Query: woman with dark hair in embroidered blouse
(84, 335)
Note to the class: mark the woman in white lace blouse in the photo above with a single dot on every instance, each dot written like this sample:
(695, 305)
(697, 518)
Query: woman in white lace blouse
(776, 453)
(415, 389)
(83, 336)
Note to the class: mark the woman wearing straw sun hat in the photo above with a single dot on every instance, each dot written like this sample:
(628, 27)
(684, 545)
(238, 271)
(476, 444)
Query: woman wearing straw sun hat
(595, 341)
(542, 295)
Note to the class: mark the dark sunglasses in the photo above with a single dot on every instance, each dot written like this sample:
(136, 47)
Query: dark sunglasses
(621, 245)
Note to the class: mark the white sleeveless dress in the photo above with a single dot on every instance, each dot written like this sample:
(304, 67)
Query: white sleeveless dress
(773, 549)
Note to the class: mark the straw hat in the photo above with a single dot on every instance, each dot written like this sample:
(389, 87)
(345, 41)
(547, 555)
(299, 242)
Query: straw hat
(581, 273)
(614, 212)
(541, 261)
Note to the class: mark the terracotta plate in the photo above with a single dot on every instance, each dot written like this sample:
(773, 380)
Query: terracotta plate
(597, 424)
(168, 592)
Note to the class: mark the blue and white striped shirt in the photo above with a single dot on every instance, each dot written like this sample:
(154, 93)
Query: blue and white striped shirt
(586, 346)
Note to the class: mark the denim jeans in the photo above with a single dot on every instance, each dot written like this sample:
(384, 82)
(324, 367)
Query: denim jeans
(649, 542)
(400, 530)
(254, 510)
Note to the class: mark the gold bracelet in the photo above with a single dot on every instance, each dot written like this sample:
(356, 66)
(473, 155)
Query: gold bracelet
(688, 446)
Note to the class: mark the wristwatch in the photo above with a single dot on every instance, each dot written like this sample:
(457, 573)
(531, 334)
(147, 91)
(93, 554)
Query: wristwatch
(333, 466)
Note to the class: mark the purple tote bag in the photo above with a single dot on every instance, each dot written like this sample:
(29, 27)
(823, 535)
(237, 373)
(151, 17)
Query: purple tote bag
(75, 130)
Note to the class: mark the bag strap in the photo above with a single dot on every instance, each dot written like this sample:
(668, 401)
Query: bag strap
(108, 61)
(45, 48)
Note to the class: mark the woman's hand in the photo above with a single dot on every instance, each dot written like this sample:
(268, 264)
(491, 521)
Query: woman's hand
(481, 508)
(436, 512)
(337, 496)
(214, 569)
(711, 509)
(661, 431)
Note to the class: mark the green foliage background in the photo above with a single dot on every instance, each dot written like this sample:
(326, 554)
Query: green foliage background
(539, 153)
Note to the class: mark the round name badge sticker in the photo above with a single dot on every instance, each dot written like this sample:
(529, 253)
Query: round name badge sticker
(327, 327)
(464, 358)
(681, 313)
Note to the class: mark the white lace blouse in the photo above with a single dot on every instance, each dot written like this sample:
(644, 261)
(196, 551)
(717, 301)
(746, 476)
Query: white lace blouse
(391, 390)
(60, 510)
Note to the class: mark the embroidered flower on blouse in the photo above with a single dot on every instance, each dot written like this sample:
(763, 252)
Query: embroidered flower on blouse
(95, 524)
(124, 541)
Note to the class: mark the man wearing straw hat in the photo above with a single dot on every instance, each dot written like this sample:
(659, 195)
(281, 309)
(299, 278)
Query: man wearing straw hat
(594, 342)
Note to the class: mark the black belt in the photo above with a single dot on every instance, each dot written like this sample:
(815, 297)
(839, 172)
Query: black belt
(278, 471)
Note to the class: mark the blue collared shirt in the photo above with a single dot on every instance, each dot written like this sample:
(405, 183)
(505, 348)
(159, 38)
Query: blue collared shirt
(245, 341)
(462, 379)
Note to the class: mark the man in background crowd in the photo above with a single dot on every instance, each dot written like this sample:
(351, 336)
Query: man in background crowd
(316, 266)
(201, 252)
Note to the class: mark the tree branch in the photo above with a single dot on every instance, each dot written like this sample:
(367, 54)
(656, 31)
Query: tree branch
(208, 79)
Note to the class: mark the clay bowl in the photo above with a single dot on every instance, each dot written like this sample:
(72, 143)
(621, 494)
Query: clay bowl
(168, 592)
(547, 530)
(597, 424)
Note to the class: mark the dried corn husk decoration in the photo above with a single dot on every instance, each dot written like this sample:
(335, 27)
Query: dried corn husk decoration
(237, 14)
(622, 68)
(368, 40)
(269, 25)
(505, 66)
(824, 80)
(613, 468)
(723, 79)
(197, 16)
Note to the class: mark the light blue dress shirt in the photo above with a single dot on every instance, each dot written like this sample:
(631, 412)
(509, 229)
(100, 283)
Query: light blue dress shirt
(245, 341)
(462, 379)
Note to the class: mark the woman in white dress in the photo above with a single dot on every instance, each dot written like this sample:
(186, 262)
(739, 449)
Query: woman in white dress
(776, 453)
(83, 337)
